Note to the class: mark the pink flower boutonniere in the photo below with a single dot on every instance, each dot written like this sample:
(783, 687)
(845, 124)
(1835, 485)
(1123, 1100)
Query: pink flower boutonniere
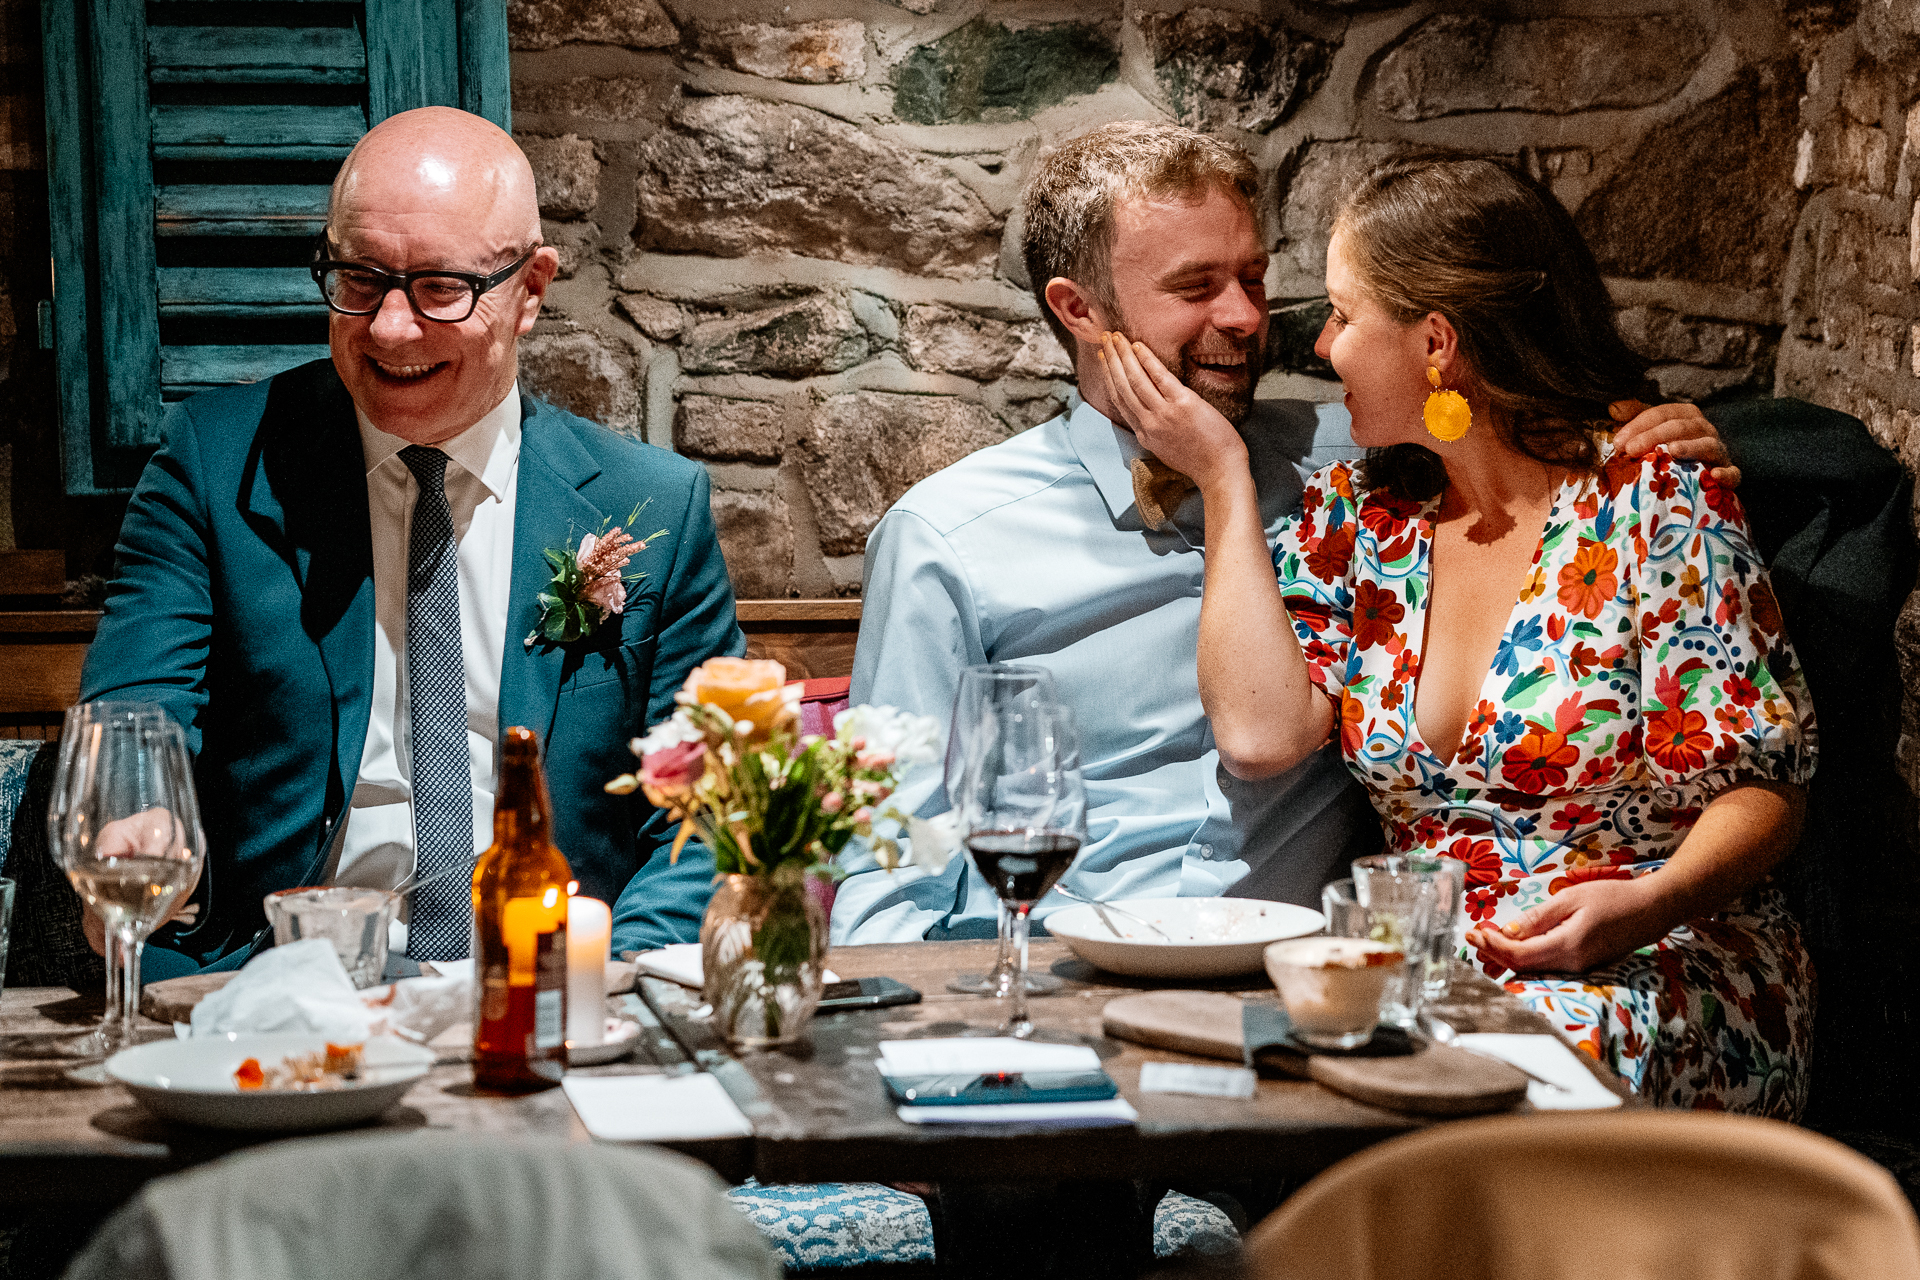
(588, 585)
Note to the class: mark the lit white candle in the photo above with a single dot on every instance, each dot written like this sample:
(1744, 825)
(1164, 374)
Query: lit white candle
(589, 935)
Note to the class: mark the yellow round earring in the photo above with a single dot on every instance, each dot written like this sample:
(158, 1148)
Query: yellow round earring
(1447, 414)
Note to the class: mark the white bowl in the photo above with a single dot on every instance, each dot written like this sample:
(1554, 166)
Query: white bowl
(1211, 937)
(192, 1081)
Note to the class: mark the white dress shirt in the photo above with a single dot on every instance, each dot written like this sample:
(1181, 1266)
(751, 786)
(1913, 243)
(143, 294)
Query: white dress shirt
(375, 846)
(1032, 551)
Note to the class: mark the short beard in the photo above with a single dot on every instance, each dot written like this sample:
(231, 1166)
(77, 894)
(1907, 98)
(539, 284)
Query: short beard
(1234, 406)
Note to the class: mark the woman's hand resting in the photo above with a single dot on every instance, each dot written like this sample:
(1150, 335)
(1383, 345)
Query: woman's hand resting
(1170, 420)
(1578, 929)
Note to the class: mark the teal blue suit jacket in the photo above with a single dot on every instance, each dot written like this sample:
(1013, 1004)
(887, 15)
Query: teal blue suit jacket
(243, 602)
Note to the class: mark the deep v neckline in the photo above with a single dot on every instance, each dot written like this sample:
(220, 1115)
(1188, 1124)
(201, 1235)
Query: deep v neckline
(1419, 737)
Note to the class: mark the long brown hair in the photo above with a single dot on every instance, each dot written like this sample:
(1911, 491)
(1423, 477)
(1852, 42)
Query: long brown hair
(1498, 256)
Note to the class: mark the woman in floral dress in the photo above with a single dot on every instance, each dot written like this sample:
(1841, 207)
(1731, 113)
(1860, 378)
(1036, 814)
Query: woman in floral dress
(1564, 666)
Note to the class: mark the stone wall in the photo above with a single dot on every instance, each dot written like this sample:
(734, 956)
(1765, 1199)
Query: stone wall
(788, 230)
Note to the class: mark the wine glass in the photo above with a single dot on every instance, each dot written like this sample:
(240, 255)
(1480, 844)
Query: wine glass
(1023, 807)
(984, 685)
(124, 824)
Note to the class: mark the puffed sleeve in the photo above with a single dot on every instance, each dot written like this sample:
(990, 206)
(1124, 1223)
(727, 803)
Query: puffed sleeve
(1313, 557)
(1722, 696)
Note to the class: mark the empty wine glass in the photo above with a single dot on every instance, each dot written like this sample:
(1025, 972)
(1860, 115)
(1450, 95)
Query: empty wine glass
(124, 824)
(1023, 807)
(991, 684)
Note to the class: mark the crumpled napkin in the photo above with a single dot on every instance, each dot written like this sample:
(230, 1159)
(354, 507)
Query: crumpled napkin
(423, 1007)
(301, 986)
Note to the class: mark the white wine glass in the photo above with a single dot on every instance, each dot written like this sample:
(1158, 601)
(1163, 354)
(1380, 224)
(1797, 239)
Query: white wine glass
(124, 824)
(1023, 807)
(985, 685)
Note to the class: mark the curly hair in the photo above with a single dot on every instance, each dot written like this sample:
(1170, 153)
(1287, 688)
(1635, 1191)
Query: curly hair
(1067, 208)
(1497, 255)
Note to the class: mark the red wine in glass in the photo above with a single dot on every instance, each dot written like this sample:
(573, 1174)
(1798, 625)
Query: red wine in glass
(1022, 865)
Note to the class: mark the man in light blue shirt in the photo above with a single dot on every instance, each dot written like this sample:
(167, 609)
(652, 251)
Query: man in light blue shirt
(1035, 551)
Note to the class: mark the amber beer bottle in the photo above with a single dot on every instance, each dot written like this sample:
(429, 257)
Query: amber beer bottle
(520, 932)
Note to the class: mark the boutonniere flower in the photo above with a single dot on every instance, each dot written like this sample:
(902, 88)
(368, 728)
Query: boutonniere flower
(588, 584)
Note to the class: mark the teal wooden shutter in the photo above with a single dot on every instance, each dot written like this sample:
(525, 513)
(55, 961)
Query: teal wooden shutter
(190, 147)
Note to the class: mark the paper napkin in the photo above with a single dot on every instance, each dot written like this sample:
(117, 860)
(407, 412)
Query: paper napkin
(654, 1108)
(301, 986)
(1548, 1057)
(984, 1055)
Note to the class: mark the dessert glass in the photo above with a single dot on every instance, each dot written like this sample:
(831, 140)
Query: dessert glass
(1332, 986)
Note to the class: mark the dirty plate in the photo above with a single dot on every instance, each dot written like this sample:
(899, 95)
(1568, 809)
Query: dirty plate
(1210, 937)
(192, 1081)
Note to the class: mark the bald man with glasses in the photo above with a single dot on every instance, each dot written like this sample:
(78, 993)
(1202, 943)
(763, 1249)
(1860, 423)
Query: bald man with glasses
(331, 578)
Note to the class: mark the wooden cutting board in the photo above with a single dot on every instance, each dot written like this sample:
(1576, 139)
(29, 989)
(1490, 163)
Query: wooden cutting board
(1434, 1080)
(173, 999)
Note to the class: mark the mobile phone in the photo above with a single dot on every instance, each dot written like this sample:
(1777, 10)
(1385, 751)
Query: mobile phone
(866, 993)
(970, 1089)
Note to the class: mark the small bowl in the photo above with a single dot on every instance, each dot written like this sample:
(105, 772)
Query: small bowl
(1210, 937)
(1332, 986)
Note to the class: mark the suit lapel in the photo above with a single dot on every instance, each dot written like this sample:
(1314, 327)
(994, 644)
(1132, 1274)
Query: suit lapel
(314, 496)
(549, 511)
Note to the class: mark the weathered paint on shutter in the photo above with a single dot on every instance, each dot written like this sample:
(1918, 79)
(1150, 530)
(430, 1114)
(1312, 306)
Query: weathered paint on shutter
(190, 148)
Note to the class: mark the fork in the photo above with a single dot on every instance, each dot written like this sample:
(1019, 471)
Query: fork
(1101, 908)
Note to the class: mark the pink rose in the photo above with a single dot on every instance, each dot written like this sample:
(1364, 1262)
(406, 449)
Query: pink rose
(676, 767)
(862, 815)
(609, 593)
(873, 760)
(833, 802)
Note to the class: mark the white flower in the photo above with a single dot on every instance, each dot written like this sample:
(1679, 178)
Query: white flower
(909, 738)
(671, 732)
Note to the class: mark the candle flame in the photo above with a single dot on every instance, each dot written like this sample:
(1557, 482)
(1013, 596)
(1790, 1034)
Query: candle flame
(551, 897)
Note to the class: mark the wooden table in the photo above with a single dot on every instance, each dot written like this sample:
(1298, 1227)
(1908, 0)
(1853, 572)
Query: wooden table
(818, 1111)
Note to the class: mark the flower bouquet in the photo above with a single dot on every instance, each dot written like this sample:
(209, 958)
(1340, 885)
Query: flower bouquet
(775, 807)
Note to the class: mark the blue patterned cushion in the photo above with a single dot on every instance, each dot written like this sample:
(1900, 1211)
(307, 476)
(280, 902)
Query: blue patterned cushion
(838, 1224)
(16, 755)
(821, 1225)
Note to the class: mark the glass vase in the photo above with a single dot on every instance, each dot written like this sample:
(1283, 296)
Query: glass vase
(764, 947)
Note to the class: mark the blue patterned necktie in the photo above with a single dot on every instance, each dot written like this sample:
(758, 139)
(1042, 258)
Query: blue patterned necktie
(441, 923)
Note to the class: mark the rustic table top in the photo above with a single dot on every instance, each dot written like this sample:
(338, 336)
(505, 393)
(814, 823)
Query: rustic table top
(818, 1111)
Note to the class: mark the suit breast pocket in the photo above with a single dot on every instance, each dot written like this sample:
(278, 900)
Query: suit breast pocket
(628, 663)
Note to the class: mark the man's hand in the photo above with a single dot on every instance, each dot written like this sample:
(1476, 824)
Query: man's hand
(1682, 428)
(1576, 930)
(125, 838)
(1171, 422)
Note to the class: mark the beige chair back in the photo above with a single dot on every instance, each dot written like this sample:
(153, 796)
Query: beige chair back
(1640, 1195)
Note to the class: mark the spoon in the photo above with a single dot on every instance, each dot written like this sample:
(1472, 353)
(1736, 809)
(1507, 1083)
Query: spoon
(1101, 908)
(417, 881)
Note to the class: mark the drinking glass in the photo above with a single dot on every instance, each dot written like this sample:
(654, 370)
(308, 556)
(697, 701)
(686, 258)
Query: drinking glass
(991, 684)
(1023, 808)
(124, 824)
(354, 921)
(1395, 879)
(1402, 920)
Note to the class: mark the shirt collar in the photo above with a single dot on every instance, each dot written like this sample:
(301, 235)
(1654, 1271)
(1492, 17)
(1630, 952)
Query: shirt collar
(1107, 451)
(487, 449)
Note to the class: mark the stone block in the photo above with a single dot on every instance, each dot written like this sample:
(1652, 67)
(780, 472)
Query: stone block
(1030, 411)
(1691, 382)
(1221, 69)
(1913, 345)
(566, 174)
(942, 339)
(1724, 214)
(584, 374)
(618, 98)
(656, 317)
(863, 450)
(756, 537)
(1864, 160)
(994, 72)
(875, 315)
(1311, 194)
(733, 176)
(1455, 63)
(799, 339)
(1663, 335)
(546, 24)
(1292, 330)
(806, 53)
(727, 430)
(1880, 343)
(1859, 251)
(1862, 93)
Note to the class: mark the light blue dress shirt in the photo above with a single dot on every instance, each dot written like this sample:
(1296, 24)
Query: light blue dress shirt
(1032, 551)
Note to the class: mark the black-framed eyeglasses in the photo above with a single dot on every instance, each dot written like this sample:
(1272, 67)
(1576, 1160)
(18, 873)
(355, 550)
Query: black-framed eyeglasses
(355, 289)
